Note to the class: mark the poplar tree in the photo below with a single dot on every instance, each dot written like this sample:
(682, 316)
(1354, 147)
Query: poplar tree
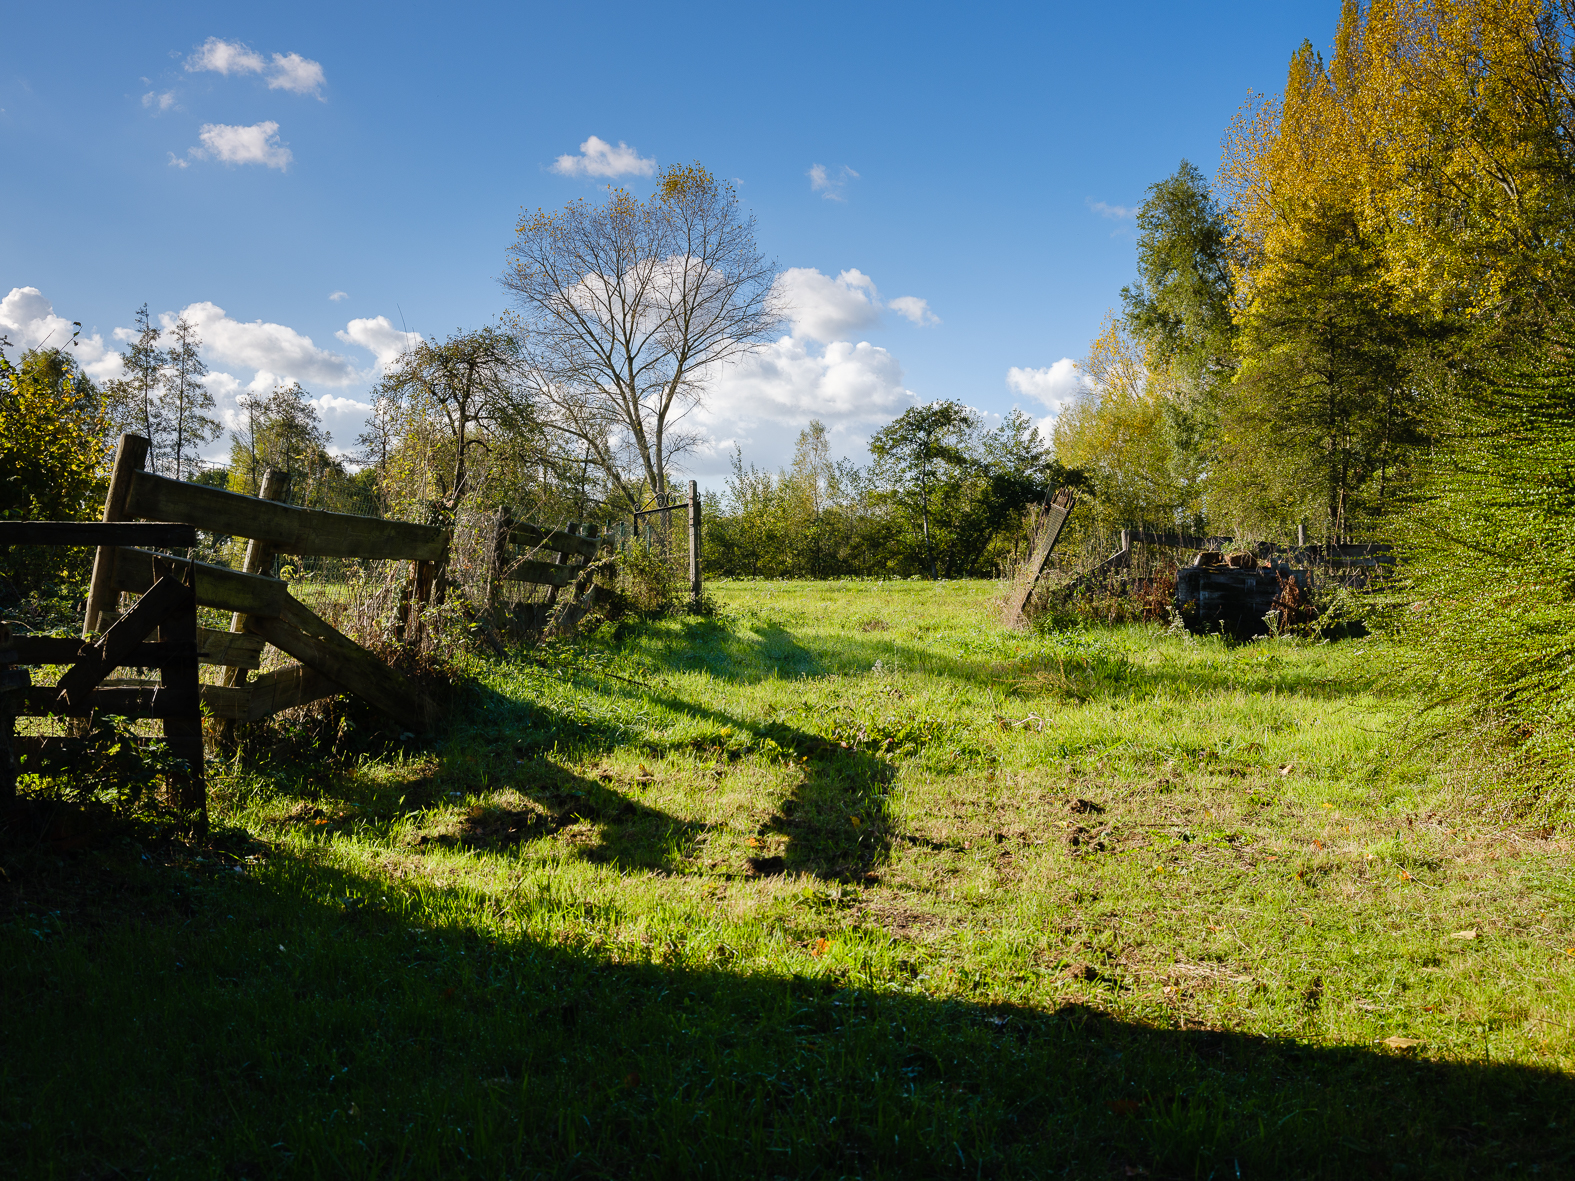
(133, 399)
(184, 399)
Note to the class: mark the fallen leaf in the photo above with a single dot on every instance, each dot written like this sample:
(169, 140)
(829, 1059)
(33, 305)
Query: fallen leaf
(1401, 1043)
(1471, 934)
(645, 774)
(1405, 875)
(1123, 1106)
(1286, 770)
(632, 1079)
(1318, 843)
(855, 821)
(752, 843)
(820, 947)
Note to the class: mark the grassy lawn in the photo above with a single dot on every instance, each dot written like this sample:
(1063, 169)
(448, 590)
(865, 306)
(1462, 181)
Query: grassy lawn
(847, 881)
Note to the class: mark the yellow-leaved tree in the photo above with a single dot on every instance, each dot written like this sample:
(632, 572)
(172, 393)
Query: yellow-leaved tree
(1120, 432)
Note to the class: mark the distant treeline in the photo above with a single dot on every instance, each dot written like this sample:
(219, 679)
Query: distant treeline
(944, 498)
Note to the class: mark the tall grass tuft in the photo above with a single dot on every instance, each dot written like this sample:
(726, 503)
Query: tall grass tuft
(1492, 563)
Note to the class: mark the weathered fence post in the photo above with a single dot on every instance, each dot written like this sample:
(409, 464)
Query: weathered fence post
(694, 546)
(130, 456)
(1057, 508)
(497, 547)
(275, 487)
(13, 683)
(1301, 535)
(178, 673)
(558, 559)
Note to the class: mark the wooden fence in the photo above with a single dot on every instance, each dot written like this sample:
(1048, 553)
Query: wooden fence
(562, 560)
(160, 631)
(262, 609)
(144, 512)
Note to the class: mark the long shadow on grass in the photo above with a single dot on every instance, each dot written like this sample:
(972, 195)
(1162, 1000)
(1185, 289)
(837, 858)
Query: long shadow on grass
(741, 657)
(835, 823)
(305, 1020)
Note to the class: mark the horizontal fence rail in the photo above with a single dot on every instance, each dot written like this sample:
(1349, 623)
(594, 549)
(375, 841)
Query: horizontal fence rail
(305, 531)
(163, 533)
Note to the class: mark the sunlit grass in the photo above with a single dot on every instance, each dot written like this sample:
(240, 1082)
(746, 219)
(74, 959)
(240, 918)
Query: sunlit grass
(847, 880)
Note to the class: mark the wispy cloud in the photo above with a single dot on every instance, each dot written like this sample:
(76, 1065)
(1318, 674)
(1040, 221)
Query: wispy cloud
(829, 184)
(257, 144)
(913, 308)
(599, 158)
(1113, 212)
(339, 295)
(284, 71)
(159, 102)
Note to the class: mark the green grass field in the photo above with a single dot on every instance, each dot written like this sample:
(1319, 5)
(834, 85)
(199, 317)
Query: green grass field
(846, 881)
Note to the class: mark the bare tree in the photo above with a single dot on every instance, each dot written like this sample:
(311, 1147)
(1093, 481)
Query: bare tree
(627, 308)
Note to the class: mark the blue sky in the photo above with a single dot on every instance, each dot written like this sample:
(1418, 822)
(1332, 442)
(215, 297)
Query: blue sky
(248, 164)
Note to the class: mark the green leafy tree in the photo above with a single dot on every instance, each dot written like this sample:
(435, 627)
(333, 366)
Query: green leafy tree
(445, 401)
(284, 431)
(52, 427)
(920, 458)
(1181, 304)
(1324, 412)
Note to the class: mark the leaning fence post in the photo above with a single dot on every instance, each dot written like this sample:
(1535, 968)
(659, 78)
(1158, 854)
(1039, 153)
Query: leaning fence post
(694, 546)
(130, 456)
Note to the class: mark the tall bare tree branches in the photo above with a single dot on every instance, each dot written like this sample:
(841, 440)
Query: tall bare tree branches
(628, 307)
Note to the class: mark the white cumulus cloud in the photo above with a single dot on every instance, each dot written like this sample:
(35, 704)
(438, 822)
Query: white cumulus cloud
(599, 158)
(284, 71)
(379, 337)
(333, 402)
(257, 144)
(826, 309)
(297, 74)
(1054, 386)
(761, 403)
(275, 351)
(28, 321)
(226, 57)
